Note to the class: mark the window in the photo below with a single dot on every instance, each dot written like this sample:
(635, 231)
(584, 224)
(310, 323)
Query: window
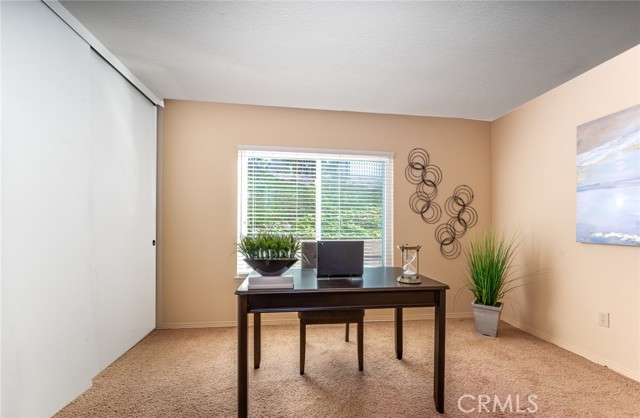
(318, 195)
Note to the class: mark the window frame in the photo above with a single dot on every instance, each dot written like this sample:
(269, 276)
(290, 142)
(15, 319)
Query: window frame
(245, 151)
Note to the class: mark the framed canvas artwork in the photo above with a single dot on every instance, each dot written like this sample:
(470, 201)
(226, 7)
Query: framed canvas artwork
(608, 179)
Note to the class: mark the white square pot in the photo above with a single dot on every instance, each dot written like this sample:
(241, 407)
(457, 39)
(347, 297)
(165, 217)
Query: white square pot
(487, 318)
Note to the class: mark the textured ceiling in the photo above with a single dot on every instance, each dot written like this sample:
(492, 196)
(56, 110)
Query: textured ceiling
(475, 60)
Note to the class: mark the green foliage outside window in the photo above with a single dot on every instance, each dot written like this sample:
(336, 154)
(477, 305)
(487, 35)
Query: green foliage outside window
(282, 197)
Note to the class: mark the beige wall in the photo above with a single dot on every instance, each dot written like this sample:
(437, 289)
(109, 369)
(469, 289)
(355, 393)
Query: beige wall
(527, 158)
(534, 191)
(199, 180)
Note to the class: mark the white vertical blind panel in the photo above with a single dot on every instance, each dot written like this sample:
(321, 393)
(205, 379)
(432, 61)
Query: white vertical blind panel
(123, 202)
(47, 319)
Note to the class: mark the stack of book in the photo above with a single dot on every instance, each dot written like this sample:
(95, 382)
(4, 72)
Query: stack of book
(256, 281)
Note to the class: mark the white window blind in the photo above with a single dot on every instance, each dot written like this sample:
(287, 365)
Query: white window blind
(318, 194)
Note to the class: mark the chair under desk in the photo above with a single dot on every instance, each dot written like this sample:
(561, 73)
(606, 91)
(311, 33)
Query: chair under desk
(309, 260)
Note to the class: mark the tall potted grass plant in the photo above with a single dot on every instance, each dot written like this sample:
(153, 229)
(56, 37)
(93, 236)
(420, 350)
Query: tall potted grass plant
(489, 258)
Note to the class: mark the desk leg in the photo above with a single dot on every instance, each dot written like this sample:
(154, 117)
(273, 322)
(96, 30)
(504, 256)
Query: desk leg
(439, 351)
(398, 333)
(243, 372)
(256, 340)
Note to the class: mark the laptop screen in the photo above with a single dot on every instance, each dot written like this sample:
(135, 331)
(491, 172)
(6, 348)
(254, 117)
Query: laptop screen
(340, 258)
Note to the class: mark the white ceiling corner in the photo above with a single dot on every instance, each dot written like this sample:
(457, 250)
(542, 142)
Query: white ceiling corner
(474, 60)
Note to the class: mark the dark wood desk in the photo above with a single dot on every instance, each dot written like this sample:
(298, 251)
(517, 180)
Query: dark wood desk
(378, 288)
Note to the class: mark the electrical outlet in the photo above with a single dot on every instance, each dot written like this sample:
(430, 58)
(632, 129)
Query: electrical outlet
(603, 319)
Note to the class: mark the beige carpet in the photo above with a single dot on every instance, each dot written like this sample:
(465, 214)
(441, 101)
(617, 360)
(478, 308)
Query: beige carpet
(192, 373)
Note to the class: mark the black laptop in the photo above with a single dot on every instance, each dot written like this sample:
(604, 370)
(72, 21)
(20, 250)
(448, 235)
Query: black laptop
(340, 258)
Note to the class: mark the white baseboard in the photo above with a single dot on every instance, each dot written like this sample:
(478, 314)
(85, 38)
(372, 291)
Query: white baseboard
(635, 375)
(281, 321)
(185, 325)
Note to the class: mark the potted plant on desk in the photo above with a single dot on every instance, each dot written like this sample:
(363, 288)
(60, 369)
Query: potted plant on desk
(489, 259)
(269, 253)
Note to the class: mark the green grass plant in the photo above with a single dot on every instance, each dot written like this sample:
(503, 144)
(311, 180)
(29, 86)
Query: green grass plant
(268, 245)
(489, 259)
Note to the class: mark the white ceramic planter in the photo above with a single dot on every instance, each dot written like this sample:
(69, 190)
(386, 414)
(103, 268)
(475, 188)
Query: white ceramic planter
(487, 318)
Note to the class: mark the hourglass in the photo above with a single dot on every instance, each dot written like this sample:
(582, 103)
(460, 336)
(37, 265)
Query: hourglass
(409, 264)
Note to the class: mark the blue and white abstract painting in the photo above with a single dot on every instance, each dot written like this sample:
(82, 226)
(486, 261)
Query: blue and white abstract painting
(608, 186)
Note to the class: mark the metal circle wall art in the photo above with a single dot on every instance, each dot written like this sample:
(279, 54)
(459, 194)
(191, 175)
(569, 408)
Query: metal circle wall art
(458, 207)
(446, 237)
(427, 177)
(462, 217)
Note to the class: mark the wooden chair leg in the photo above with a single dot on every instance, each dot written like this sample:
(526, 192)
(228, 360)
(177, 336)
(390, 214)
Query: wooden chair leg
(303, 344)
(361, 344)
(332, 317)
